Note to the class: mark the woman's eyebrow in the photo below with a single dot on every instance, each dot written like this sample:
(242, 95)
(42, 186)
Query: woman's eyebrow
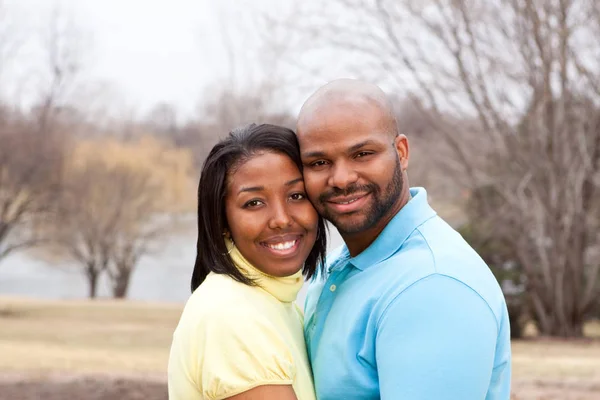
(261, 188)
(251, 189)
(293, 181)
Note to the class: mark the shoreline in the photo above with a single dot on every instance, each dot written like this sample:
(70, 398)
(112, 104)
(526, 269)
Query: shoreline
(104, 301)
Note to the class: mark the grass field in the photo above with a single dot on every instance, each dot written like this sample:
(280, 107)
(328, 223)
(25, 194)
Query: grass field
(62, 343)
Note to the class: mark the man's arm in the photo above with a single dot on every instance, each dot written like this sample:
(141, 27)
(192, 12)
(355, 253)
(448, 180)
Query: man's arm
(436, 340)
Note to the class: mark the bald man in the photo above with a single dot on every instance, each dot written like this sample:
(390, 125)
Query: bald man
(406, 308)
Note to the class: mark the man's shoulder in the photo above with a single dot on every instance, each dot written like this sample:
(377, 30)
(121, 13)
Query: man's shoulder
(452, 256)
(435, 248)
(449, 253)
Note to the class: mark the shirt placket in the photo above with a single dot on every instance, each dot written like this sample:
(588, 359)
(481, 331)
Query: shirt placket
(324, 304)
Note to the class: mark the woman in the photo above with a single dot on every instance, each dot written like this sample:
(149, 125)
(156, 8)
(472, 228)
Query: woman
(240, 336)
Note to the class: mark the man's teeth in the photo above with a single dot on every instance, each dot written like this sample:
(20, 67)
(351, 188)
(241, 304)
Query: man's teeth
(347, 202)
(283, 246)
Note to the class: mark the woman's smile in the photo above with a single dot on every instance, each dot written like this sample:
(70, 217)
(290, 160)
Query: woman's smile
(271, 221)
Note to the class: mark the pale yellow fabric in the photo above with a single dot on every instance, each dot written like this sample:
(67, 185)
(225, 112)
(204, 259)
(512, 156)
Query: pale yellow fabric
(233, 337)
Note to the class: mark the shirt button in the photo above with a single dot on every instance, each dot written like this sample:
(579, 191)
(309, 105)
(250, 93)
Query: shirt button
(332, 288)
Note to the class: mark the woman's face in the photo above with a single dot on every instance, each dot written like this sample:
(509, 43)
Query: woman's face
(271, 221)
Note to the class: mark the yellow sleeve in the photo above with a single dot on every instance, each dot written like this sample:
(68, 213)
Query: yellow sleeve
(181, 383)
(235, 351)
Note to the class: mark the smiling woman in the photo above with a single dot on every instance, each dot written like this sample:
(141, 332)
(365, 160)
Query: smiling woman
(240, 335)
(276, 226)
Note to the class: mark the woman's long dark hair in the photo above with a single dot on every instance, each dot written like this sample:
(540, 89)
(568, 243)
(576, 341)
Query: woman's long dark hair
(230, 153)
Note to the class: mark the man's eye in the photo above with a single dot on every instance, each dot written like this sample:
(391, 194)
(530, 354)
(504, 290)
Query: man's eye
(363, 154)
(319, 163)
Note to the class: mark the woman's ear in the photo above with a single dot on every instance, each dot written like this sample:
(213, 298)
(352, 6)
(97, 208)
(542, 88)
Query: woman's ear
(227, 236)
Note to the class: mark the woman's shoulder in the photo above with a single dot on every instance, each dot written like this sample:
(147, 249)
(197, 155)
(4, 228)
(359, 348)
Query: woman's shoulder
(225, 289)
(221, 298)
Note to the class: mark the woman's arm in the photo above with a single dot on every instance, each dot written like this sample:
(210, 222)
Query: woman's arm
(267, 392)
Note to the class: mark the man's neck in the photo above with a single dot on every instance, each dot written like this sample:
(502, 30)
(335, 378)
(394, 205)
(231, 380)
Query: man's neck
(358, 242)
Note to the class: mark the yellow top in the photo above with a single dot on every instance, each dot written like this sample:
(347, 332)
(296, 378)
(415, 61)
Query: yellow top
(233, 337)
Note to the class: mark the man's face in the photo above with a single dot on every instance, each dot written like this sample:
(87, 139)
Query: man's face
(353, 166)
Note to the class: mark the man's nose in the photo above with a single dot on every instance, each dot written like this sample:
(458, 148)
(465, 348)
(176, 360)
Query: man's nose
(342, 176)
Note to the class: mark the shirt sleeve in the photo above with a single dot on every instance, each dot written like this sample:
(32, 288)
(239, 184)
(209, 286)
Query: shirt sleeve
(436, 340)
(240, 350)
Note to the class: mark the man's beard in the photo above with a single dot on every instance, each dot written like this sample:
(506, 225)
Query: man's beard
(362, 220)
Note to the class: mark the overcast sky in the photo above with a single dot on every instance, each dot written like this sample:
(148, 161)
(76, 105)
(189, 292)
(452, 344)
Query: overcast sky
(151, 51)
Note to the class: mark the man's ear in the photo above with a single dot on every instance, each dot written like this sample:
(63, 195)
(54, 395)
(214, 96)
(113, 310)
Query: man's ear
(401, 146)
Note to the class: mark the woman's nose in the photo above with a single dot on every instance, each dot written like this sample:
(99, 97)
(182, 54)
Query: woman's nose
(280, 217)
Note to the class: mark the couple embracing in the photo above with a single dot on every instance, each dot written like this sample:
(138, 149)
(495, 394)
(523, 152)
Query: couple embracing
(405, 309)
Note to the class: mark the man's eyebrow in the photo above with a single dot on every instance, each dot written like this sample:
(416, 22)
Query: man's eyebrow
(293, 181)
(313, 154)
(351, 149)
(358, 146)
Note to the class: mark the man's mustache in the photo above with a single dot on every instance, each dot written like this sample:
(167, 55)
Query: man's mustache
(352, 189)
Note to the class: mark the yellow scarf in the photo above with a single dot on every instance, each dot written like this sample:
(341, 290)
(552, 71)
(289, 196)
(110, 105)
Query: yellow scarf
(285, 289)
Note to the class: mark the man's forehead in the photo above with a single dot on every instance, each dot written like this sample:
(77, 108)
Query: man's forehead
(344, 117)
(336, 111)
(323, 145)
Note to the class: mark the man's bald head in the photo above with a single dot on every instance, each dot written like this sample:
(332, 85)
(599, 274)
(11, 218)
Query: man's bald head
(348, 94)
(354, 159)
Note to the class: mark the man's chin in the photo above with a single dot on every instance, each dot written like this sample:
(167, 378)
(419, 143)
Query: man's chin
(350, 224)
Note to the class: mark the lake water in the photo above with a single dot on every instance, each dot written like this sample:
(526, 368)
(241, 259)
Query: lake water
(162, 276)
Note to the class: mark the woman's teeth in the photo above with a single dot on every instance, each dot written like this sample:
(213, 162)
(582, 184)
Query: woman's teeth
(283, 246)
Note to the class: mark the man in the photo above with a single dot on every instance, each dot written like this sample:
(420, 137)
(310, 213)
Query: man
(406, 309)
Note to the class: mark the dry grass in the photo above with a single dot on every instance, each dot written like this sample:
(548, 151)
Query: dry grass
(43, 338)
(85, 337)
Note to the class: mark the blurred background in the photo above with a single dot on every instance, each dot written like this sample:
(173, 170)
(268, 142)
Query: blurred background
(108, 109)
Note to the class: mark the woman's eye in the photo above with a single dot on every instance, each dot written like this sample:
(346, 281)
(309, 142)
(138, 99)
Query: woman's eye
(252, 204)
(298, 196)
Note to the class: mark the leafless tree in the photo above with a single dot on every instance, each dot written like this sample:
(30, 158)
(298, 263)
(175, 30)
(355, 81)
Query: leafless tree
(138, 229)
(224, 110)
(107, 222)
(33, 149)
(29, 179)
(66, 47)
(84, 224)
(11, 39)
(513, 89)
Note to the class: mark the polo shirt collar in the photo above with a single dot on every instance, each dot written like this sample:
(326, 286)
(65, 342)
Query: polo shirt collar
(393, 236)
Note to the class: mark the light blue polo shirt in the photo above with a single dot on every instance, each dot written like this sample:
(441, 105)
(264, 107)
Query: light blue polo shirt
(418, 315)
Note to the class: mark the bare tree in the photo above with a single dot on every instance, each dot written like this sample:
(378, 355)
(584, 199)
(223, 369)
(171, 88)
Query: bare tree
(120, 199)
(29, 178)
(107, 222)
(223, 111)
(513, 88)
(11, 39)
(138, 226)
(65, 51)
(33, 150)
(84, 223)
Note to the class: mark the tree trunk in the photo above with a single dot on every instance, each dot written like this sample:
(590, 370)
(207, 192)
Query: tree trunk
(573, 329)
(120, 283)
(550, 324)
(92, 276)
